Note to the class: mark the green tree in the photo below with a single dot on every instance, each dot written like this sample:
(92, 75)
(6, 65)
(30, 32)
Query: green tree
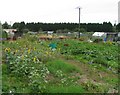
(89, 27)
(16, 25)
(6, 25)
(66, 30)
(107, 27)
(81, 30)
(59, 31)
(118, 27)
(22, 26)
(40, 30)
(19, 26)
(25, 30)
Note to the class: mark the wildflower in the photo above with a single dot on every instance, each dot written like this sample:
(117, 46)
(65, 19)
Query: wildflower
(28, 51)
(7, 49)
(34, 48)
(47, 52)
(34, 59)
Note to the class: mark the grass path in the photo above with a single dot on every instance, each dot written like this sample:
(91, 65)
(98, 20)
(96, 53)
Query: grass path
(93, 75)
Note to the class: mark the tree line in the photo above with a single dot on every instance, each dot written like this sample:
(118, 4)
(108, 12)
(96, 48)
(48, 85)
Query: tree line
(88, 27)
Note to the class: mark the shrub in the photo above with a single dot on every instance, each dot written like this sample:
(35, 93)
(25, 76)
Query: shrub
(4, 34)
(109, 43)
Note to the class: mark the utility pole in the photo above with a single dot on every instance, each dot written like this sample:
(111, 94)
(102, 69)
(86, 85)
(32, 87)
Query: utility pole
(79, 20)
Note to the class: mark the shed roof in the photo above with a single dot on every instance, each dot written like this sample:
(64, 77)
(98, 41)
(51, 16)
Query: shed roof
(10, 30)
(99, 34)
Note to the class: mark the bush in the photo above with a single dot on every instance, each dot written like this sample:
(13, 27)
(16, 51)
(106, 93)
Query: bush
(109, 43)
(4, 34)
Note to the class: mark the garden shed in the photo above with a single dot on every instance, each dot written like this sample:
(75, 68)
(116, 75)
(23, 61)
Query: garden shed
(10, 32)
(99, 35)
(112, 36)
(105, 36)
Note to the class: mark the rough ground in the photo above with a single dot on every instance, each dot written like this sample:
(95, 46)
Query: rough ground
(93, 75)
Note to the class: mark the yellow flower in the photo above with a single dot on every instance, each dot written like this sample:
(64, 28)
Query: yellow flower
(34, 59)
(28, 51)
(7, 49)
(34, 48)
(47, 52)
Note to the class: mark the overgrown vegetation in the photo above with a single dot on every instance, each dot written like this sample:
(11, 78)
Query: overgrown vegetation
(29, 65)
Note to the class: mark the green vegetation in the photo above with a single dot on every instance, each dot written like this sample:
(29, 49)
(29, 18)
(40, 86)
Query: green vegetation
(55, 65)
(69, 89)
(29, 65)
(63, 27)
(4, 34)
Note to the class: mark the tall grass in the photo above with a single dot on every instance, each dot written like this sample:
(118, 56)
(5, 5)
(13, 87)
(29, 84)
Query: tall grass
(55, 65)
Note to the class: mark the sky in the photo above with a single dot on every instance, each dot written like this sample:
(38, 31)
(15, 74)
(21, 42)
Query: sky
(56, 11)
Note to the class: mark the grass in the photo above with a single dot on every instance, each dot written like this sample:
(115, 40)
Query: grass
(68, 89)
(55, 65)
(112, 80)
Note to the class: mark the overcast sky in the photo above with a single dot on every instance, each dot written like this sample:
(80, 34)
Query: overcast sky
(51, 11)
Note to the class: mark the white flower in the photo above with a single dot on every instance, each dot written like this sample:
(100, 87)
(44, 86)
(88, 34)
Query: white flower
(10, 91)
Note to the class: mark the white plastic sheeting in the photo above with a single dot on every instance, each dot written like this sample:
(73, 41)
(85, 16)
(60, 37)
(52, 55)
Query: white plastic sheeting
(99, 34)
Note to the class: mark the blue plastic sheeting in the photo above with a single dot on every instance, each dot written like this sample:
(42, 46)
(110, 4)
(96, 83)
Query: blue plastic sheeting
(53, 46)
